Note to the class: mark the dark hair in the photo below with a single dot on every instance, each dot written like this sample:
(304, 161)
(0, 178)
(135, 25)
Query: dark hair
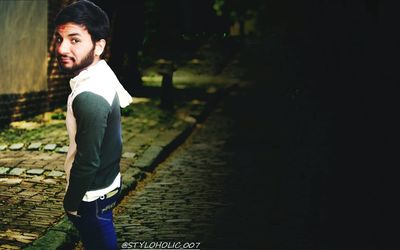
(87, 14)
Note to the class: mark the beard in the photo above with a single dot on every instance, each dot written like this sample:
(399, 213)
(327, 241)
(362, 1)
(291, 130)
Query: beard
(76, 68)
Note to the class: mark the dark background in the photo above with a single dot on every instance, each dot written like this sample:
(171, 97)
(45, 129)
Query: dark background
(336, 61)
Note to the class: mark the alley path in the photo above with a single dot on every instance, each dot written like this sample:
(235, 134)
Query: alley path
(250, 177)
(268, 169)
(212, 191)
(186, 195)
(193, 196)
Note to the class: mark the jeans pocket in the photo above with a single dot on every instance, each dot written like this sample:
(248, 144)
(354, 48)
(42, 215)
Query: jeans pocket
(105, 206)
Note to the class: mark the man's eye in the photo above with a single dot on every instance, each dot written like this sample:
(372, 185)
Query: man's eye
(73, 41)
(58, 40)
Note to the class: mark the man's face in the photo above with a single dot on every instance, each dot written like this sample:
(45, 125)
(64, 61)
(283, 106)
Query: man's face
(74, 48)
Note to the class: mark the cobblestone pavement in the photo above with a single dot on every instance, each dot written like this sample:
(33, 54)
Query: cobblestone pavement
(32, 155)
(184, 197)
(32, 178)
(211, 193)
(259, 173)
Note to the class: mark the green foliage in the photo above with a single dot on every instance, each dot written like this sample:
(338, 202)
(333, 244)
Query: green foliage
(152, 9)
(218, 7)
(58, 116)
(42, 133)
(128, 111)
(238, 10)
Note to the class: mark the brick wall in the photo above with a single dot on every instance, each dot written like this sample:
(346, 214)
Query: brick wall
(14, 107)
(58, 86)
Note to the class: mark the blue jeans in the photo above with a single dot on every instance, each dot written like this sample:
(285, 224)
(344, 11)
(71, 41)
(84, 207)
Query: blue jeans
(94, 223)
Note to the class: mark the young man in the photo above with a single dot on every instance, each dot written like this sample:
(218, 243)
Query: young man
(93, 123)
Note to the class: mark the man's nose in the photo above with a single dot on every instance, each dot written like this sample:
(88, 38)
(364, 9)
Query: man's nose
(62, 48)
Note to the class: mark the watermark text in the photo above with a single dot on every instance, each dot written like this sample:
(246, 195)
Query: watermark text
(160, 245)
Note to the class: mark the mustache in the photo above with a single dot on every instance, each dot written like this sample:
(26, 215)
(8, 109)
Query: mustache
(60, 57)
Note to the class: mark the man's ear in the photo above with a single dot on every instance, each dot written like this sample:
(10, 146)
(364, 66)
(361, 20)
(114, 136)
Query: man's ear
(99, 47)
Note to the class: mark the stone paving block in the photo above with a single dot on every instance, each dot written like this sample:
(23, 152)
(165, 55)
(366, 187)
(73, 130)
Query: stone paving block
(189, 119)
(167, 137)
(19, 236)
(26, 185)
(3, 147)
(35, 146)
(133, 145)
(28, 193)
(63, 150)
(4, 170)
(128, 155)
(153, 151)
(50, 181)
(55, 166)
(16, 146)
(50, 147)
(148, 157)
(35, 171)
(135, 172)
(35, 179)
(17, 171)
(55, 173)
(128, 180)
(10, 181)
(9, 161)
(177, 124)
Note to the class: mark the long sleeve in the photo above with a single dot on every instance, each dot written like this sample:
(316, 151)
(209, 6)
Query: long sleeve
(91, 113)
